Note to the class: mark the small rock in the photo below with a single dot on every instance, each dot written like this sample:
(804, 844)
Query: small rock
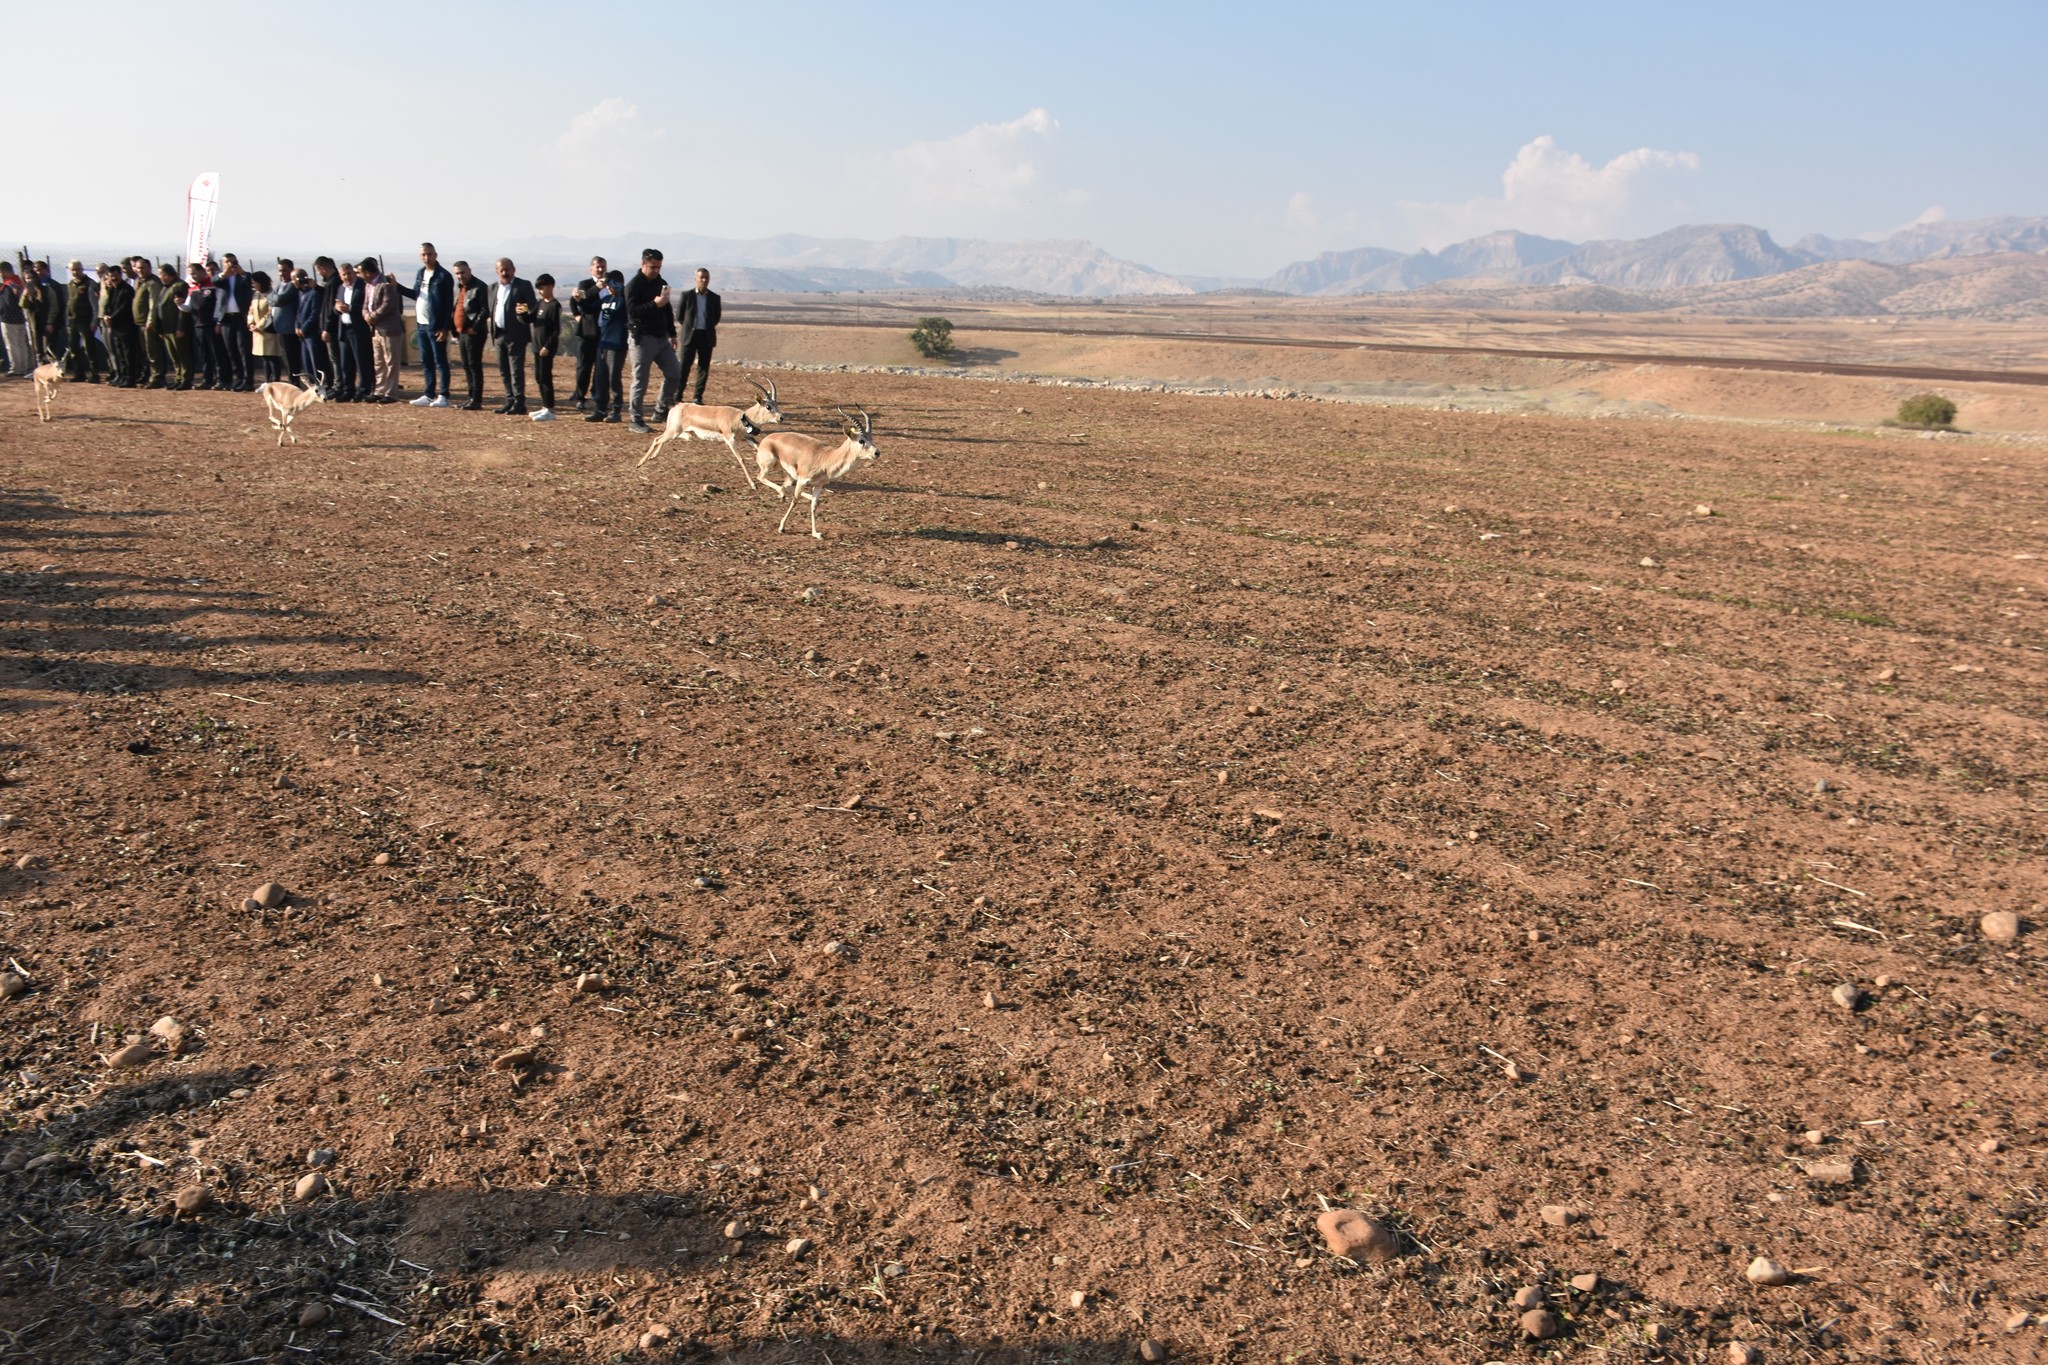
(658, 1334)
(1011, 545)
(1989, 1146)
(11, 986)
(657, 600)
(1765, 1271)
(170, 1033)
(588, 983)
(1657, 1334)
(13, 1161)
(320, 1156)
(1646, 562)
(269, 896)
(1586, 1283)
(1822, 787)
(25, 862)
(1528, 1296)
(1255, 709)
(135, 1054)
(1151, 1349)
(2000, 926)
(1078, 1299)
(1516, 1074)
(736, 1230)
(1885, 675)
(45, 1161)
(988, 1000)
(1832, 1172)
(1558, 1216)
(313, 1314)
(518, 1059)
(193, 1199)
(797, 1246)
(2017, 1319)
(1702, 510)
(1742, 1353)
(1349, 1233)
(895, 1270)
(1537, 936)
(1815, 1137)
(311, 1186)
(381, 860)
(1848, 995)
(1538, 1324)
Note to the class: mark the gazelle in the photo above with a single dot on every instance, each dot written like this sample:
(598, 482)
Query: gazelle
(705, 422)
(285, 401)
(47, 378)
(811, 463)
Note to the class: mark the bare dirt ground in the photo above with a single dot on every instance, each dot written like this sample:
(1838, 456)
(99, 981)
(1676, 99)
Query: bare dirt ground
(1144, 821)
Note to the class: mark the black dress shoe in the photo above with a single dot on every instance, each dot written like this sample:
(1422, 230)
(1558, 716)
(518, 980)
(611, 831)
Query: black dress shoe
(597, 416)
(473, 405)
(516, 410)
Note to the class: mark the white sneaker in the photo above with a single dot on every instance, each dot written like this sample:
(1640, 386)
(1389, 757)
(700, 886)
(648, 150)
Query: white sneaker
(441, 402)
(544, 415)
(423, 401)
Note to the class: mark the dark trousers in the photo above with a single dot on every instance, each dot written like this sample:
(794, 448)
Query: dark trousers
(80, 362)
(178, 359)
(358, 370)
(608, 378)
(131, 362)
(512, 370)
(473, 364)
(699, 351)
(336, 347)
(586, 361)
(544, 377)
(205, 358)
(273, 368)
(235, 347)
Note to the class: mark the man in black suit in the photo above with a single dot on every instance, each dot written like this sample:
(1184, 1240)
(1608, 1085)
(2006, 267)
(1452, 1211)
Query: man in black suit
(231, 297)
(352, 326)
(472, 318)
(329, 338)
(512, 305)
(584, 305)
(697, 326)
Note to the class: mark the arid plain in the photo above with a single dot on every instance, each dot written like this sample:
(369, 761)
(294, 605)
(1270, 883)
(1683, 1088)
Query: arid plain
(998, 931)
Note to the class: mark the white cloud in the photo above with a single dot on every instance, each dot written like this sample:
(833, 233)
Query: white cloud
(1556, 193)
(992, 168)
(612, 132)
(1308, 228)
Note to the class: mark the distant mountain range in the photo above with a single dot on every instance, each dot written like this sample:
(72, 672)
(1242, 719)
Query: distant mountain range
(1685, 267)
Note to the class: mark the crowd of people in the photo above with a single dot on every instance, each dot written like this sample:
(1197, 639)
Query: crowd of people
(341, 327)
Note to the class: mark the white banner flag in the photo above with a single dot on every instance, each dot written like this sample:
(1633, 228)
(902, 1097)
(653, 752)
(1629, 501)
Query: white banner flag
(200, 204)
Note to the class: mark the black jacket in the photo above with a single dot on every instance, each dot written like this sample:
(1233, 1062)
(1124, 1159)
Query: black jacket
(686, 317)
(325, 289)
(474, 302)
(644, 316)
(517, 330)
(439, 287)
(585, 307)
(547, 326)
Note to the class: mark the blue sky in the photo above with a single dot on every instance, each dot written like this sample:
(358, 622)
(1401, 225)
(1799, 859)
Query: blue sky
(1220, 139)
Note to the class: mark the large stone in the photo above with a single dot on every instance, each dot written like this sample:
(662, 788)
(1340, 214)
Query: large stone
(2000, 926)
(1347, 1232)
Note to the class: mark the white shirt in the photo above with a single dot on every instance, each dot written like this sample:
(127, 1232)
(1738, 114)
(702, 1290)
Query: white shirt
(419, 306)
(504, 302)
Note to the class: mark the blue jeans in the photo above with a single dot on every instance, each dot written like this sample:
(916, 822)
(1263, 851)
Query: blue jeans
(433, 362)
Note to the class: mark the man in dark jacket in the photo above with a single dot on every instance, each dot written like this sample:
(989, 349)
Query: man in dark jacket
(81, 315)
(328, 278)
(697, 331)
(173, 327)
(512, 305)
(117, 326)
(352, 325)
(651, 339)
(204, 331)
(585, 306)
(148, 290)
(472, 317)
(433, 315)
(284, 320)
(306, 329)
(231, 296)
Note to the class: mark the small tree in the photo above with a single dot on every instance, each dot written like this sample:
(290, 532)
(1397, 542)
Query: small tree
(933, 337)
(1928, 410)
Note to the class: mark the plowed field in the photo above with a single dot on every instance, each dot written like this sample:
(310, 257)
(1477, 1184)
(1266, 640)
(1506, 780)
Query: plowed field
(1143, 822)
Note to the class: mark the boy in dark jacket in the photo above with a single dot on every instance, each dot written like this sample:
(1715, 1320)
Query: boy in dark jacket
(547, 339)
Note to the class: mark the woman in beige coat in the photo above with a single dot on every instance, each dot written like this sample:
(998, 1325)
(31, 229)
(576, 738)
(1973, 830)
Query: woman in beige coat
(264, 343)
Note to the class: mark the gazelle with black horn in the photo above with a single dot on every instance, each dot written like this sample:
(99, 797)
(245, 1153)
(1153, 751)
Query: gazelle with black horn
(707, 422)
(810, 463)
(285, 401)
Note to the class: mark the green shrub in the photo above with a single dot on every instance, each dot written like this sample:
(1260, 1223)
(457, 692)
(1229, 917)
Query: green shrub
(1928, 410)
(933, 337)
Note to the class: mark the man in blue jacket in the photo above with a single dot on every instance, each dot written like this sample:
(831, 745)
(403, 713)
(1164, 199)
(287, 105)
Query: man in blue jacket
(433, 296)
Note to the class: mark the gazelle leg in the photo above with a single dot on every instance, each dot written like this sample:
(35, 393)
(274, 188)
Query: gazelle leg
(733, 446)
(654, 449)
(812, 494)
(796, 484)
